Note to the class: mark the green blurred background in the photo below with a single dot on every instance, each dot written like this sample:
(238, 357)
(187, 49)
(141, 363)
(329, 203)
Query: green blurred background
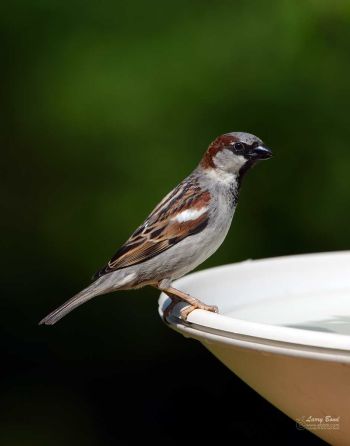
(105, 106)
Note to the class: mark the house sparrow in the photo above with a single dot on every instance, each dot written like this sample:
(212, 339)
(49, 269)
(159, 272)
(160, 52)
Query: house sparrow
(186, 228)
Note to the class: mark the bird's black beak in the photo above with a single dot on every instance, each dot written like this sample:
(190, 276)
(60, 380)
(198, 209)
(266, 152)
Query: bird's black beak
(260, 152)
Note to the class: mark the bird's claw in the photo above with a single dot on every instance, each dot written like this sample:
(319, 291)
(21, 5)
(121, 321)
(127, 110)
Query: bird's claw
(187, 310)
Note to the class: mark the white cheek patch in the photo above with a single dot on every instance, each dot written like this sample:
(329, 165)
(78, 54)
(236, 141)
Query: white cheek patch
(226, 160)
(238, 161)
(189, 214)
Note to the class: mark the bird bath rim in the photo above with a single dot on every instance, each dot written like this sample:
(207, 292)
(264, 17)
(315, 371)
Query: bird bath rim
(210, 327)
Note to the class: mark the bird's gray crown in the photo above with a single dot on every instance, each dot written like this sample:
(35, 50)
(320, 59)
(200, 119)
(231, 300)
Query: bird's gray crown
(246, 138)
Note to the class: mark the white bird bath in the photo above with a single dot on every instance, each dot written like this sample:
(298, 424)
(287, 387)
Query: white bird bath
(284, 329)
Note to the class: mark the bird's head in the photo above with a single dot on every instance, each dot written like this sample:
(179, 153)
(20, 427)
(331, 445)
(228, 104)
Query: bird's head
(235, 153)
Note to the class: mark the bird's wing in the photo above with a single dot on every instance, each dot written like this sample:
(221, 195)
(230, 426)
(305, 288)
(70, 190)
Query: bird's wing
(182, 213)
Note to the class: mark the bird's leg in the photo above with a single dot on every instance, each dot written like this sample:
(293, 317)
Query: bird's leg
(177, 295)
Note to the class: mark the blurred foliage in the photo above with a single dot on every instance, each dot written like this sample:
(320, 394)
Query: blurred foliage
(106, 106)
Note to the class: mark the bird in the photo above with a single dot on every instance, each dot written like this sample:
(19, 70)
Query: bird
(182, 231)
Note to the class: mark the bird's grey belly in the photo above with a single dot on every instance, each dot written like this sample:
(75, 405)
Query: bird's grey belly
(186, 255)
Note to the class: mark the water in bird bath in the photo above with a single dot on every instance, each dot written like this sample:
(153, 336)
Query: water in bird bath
(326, 312)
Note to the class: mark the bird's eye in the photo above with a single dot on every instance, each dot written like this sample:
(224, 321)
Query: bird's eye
(239, 147)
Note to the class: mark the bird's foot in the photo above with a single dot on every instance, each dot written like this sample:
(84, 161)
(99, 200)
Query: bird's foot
(201, 306)
(177, 296)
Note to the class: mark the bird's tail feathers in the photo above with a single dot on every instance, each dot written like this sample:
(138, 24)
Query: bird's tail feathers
(103, 285)
(74, 302)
